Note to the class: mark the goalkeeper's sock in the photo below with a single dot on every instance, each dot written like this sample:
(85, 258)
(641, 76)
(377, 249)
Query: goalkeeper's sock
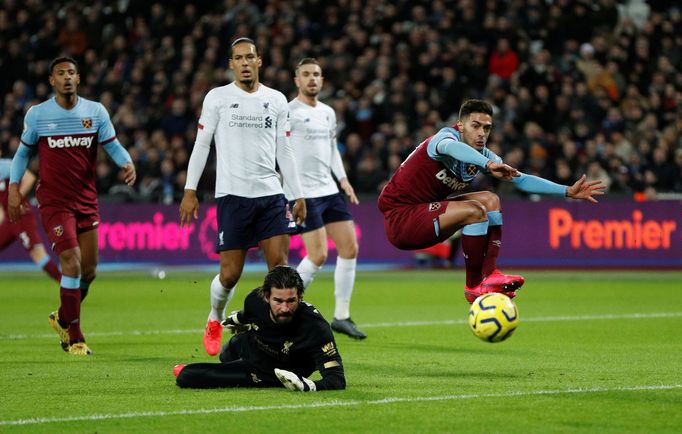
(474, 243)
(307, 270)
(494, 242)
(344, 279)
(220, 296)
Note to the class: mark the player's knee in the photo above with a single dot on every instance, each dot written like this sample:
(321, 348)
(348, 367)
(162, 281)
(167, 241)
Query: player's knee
(477, 212)
(70, 264)
(317, 258)
(349, 251)
(229, 277)
(490, 200)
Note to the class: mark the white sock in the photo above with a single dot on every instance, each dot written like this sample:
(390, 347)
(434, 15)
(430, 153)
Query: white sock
(307, 270)
(344, 279)
(220, 296)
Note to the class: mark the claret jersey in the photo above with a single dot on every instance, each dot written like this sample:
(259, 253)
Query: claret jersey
(67, 142)
(422, 178)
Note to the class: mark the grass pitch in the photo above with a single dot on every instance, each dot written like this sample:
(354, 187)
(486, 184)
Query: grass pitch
(595, 351)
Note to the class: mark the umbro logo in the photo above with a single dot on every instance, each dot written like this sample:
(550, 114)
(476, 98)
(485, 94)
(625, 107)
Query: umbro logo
(51, 126)
(234, 106)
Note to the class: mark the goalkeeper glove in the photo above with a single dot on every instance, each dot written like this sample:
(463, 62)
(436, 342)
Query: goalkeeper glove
(233, 325)
(295, 382)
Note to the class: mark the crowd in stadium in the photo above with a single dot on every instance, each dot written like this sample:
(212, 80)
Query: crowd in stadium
(578, 87)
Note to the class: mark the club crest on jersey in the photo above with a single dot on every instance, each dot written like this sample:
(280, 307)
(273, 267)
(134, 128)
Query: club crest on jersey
(434, 206)
(266, 105)
(287, 347)
(87, 123)
(472, 170)
(58, 230)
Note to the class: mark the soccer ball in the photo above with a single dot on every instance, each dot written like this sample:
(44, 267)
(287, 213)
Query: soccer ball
(493, 317)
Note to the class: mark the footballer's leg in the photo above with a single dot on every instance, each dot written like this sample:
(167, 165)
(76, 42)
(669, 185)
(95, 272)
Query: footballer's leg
(493, 279)
(315, 242)
(343, 235)
(470, 215)
(222, 289)
(276, 250)
(89, 244)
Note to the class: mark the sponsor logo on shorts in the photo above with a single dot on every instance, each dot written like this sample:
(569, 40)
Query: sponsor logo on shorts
(87, 123)
(58, 230)
(434, 206)
(69, 142)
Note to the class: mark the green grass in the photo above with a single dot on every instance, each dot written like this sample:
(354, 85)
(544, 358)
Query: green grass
(594, 352)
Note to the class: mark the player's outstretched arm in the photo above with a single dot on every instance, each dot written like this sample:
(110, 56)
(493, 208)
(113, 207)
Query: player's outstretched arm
(350, 192)
(501, 170)
(189, 207)
(295, 382)
(584, 190)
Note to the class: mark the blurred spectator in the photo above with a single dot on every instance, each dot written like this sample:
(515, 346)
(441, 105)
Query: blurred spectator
(572, 82)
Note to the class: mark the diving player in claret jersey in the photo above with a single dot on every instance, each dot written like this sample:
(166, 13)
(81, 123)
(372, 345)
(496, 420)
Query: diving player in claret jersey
(279, 340)
(25, 230)
(66, 131)
(420, 210)
(250, 124)
(313, 137)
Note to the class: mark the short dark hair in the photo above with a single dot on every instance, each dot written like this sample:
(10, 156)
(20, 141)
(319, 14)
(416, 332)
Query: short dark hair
(244, 39)
(282, 276)
(62, 59)
(475, 106)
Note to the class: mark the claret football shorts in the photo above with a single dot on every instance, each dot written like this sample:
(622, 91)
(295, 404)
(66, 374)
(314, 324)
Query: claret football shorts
(414, 227)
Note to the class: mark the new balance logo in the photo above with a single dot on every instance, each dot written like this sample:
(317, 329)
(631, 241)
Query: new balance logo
(234, 106)
(69, 142)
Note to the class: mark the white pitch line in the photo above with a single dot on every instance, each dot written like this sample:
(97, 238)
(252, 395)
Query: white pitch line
(372, 325)
(334, 403)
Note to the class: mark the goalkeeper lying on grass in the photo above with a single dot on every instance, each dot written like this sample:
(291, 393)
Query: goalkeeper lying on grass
(278, 340)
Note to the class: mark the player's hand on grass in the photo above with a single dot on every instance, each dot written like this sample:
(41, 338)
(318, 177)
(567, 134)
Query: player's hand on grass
(129, 174)
(586, 190)
(299, 211)
(189, 208)
(350, 192)
(15, 206)
(295, 382)
(502, 171)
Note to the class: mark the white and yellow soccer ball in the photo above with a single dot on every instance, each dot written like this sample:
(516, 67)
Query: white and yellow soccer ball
(493, 317)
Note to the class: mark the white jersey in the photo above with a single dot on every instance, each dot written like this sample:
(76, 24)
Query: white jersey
(313, 137)
(250, 132)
